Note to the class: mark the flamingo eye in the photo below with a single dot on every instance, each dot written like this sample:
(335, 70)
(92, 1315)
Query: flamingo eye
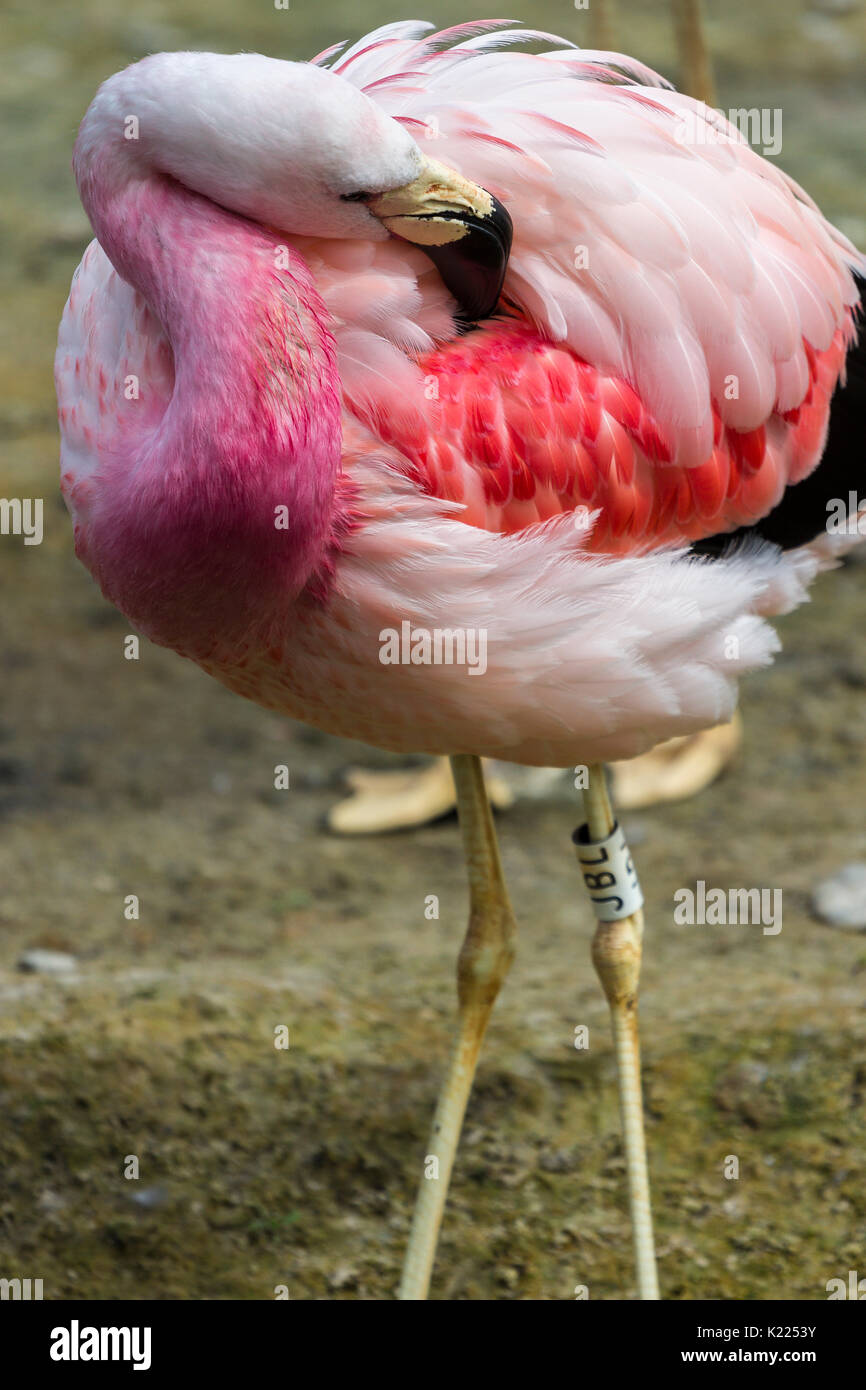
(356, 197)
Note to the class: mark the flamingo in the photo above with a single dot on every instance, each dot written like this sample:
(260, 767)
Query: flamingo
(432, 339)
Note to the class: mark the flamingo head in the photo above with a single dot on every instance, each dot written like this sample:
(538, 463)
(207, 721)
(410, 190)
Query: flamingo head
(299, 148)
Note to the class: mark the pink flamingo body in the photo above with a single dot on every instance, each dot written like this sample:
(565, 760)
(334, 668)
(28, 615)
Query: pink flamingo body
(675, 320)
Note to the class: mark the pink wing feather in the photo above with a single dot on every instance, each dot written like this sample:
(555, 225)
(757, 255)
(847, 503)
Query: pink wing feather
(666, 261)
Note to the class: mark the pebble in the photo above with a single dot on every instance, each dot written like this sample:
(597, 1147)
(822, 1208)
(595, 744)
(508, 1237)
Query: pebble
(840, 900)
(743, 1091)
(47, 962)
(149, 1197)
(345, 1276)
(50, 1201)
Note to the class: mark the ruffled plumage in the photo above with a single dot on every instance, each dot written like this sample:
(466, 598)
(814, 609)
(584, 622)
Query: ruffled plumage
(648, 269)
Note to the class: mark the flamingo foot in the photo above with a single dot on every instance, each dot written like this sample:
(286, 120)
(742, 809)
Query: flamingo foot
(677, 769)
(400, 800)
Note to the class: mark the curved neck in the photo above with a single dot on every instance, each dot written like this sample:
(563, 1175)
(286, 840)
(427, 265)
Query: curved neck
(211, 521)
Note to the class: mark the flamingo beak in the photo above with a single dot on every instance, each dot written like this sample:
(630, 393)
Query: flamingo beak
(464, 230)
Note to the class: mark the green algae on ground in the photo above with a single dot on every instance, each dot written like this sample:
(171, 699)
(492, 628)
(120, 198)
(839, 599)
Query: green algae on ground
(295, 1167)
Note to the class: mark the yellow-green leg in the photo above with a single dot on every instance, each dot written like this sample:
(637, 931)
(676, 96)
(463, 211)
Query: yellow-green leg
(616, 955)
(484, 961)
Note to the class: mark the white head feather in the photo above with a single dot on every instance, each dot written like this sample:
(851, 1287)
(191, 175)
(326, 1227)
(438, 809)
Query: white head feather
(283, 143)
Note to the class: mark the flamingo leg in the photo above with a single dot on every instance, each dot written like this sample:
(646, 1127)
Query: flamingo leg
(616, 955)
(484, 961)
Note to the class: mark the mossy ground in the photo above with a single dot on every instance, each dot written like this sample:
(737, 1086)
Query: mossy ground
(260, 1166)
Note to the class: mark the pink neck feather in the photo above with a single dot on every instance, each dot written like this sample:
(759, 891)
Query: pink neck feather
(183, 532)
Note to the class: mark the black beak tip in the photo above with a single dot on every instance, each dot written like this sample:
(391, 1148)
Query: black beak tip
(474, 267)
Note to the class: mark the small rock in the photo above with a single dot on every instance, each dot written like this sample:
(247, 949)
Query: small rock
(149, 1197)
(840, 900)
(343, 1277)
(744, 1091)
(47, 962)
(50, 1201)
(559, 1161)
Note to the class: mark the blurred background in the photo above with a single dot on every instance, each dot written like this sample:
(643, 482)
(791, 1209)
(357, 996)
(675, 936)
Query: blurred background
(154, 1036)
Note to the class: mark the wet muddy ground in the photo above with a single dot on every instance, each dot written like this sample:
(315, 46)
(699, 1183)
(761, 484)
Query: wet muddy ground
(262, 1166)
